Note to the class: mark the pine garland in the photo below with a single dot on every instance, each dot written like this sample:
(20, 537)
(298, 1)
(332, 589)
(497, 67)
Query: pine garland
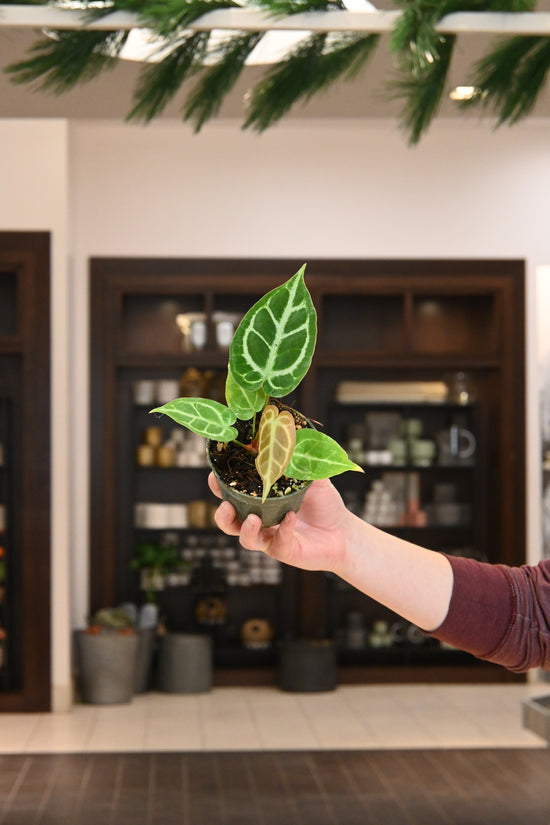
(509, 79)
(159, 82)
(311, 68)
(424, 56)
(72, 57)
(422, 89)
(215, 83)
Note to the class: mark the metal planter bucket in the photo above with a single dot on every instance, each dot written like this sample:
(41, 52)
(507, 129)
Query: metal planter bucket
(185, 663)
(107, 663)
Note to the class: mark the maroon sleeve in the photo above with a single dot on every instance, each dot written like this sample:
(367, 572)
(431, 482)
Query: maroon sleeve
(500, 613)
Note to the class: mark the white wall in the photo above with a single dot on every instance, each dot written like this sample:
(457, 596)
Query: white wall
(33, 197)
(308, 190)
(304, 190)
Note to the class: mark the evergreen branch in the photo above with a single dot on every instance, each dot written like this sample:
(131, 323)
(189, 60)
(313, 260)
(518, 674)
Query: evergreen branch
(494, 73)
(159, 82)
(169, 17)
(510, 78)
(529, 80)
(415, 38)
(283, 8)
(205, 100)
(424, 54)
(70, 58)
(423, 91)
(305, 72)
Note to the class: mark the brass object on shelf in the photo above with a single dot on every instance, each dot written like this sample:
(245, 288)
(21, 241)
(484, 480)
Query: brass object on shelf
(145, 455)
(153, 436)
(165, 456)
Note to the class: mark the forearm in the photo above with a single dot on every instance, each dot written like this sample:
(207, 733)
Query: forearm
(412, 581)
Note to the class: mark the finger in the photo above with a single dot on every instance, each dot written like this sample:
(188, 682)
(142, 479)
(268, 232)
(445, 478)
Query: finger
(253, 537)
(282, 540)
(214, 486)
(226, 519)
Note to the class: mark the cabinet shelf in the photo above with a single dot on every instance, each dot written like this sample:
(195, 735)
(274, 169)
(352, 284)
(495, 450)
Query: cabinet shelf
(376, 469)
(167, 471)
(422, 654)
(205, 359)
(240, 657)
(396, 321)
(404, 360)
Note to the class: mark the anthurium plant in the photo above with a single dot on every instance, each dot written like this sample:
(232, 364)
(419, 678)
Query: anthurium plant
(270, 353)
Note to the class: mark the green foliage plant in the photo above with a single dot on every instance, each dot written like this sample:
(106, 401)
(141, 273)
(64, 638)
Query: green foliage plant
(270, 354)
(156, 560)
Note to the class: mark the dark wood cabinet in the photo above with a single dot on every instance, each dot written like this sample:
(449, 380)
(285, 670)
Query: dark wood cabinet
(24, 472)
(379, 322)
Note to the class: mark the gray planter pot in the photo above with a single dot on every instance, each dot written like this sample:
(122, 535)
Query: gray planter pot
(107, 664)
(307, 665)
(185, 663)
(271, 511)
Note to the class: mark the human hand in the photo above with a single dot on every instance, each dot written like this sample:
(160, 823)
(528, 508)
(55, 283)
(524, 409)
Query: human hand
(312, 539)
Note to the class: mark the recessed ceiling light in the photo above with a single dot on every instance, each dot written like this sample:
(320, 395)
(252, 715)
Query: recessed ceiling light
(463, 92)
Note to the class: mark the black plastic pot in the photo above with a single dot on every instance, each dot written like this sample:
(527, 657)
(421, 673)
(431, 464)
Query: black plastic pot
(307, 665)
(271, 511)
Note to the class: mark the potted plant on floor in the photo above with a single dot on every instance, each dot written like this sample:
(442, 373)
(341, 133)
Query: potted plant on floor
(106, 651)
(154, 561)
(264, 453)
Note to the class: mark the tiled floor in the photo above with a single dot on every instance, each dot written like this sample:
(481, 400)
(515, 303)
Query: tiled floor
(377, 717)
(321, 787)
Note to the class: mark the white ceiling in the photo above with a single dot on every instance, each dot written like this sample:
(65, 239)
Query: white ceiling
(110, 95)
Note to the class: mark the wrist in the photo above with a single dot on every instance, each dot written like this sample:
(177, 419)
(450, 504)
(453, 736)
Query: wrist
(354, 545)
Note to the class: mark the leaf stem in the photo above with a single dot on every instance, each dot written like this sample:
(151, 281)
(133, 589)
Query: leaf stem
(248, 447)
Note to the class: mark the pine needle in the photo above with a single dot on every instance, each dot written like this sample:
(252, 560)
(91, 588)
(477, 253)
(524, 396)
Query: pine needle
(70, 58)
(216, 82)
(282, 8)
(529, 80)
(307, 71)
(511, 77)
(168, 17)
(159, 82)
(423, 91)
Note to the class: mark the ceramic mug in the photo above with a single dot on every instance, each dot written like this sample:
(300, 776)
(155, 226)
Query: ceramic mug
(398, 449)
(422, 452)
(456, 443)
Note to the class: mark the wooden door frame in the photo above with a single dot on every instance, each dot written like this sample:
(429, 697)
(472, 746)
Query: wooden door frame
(28, 255)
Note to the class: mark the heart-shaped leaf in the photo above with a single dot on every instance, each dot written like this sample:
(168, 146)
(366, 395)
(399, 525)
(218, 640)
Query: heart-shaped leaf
(276, 440)
(273, 345)
(203, 416)
(243, 402)
(317, 455)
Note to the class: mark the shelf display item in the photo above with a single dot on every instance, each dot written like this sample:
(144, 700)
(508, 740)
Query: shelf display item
(257, 633)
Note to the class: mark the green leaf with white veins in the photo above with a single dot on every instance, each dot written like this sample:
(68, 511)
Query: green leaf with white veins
(202, 416)
(273, 345)
(316, 456)
(243, 402)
